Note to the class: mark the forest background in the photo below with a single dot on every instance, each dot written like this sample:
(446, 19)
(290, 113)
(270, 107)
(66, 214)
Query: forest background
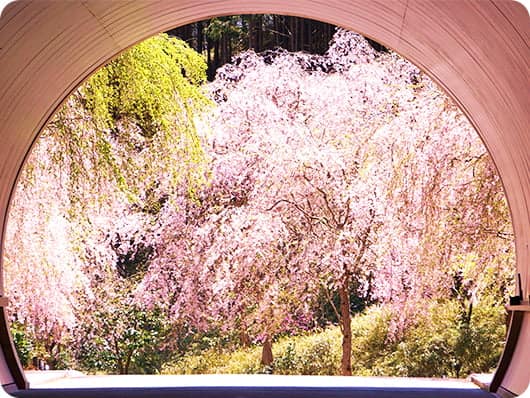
(319, 206)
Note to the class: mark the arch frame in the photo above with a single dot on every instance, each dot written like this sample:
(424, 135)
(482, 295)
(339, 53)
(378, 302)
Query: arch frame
(477, 51)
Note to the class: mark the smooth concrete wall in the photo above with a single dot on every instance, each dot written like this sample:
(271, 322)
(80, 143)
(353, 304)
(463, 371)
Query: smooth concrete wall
(478, 51)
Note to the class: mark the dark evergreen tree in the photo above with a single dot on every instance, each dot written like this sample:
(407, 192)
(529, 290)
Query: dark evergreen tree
(218, 39)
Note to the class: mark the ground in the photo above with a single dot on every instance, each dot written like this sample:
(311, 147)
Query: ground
(74, 384)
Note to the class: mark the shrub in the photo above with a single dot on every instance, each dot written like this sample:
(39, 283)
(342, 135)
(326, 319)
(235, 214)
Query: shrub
(310, 354)
(440, 344)
(23, 343)
(212, 361)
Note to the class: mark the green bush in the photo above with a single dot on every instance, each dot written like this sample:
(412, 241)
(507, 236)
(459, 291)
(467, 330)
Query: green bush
(440, 344)
(212, 361)
(370, 343)
(311, 354)
(123, 338)
(23, 343)
(28, 347)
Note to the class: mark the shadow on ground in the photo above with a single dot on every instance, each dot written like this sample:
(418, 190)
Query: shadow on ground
(254, 392)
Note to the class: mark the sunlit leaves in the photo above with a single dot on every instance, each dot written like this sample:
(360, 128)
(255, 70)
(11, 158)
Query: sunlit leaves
(311, 174)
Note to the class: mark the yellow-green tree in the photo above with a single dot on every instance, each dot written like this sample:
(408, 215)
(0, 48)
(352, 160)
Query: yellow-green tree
(99, 159)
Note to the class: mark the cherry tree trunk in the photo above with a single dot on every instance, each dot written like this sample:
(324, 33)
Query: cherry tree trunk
(345, 319)
(266, 353)
(244, 339)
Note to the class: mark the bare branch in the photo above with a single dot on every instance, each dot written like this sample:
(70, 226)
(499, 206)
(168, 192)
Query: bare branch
(325, 197)
(330, 301)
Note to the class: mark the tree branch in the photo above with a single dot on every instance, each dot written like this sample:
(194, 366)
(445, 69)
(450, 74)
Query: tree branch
(330, 300)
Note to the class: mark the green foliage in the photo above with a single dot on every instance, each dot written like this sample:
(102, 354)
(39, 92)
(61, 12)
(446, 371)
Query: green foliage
(439, 344)
(107, 145)
(242, 361)
(480, 342)
(370, 343)
(23, 343)
(131, 119)
(325, 310)
(57, 355)
(130, 340)
(311, 354)
(149, 85)
(231, 27)
(134, 118)
(436, 346)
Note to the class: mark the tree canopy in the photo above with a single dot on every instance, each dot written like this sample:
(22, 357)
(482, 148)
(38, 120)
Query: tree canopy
(288, 194)
(96, 165)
